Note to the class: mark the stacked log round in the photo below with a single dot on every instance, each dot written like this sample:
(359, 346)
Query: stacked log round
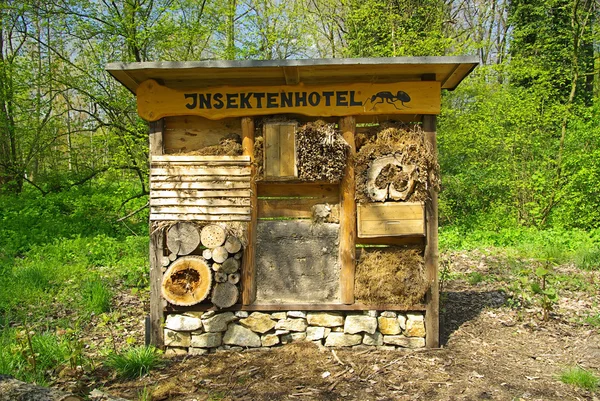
(187, 281)
(183, 238)
(322, 153)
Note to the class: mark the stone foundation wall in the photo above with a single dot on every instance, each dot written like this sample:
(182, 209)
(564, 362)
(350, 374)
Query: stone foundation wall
(199, 333)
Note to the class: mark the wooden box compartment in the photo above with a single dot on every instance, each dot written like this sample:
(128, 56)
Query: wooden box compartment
(391, 219)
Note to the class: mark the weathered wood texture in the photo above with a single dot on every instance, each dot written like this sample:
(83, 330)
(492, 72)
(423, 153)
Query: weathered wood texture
(348, 216)
(187, 281)
(157, 243)
(189, 133)
(15, 390)
(248, 262)
(391, 219)
(280, 150)
(293, 200)
(208, 188)
(304, 307)
(432, 314)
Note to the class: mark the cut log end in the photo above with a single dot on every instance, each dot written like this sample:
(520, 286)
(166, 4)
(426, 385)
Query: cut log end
(207, 254)
(231, 265)
(187, 281)
(220, 254)
(221, 277)
(233, 244)
(212, 236)
(224, 295)
(183, 238)
(233, 278)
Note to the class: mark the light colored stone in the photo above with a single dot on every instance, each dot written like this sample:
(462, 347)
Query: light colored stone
(373, 339)
(360, 323)
(388, 325)
(386, 348)
(241, 314)
(296, 314)
(405, 342)
(208, 314)
(177, 338)
(206, 340)
(325, 319)
(415, 316)
(415, 326)
(236, 349)
(315, 333)
(402, 321)
(278, 315)
(362, 347)
(218, 322)
(238, 335)
(174, 352)
(339, 329)
(194, 314)
(372, 313)
(183, 323)
(269, 340)
(293, 337)
(198, 351)
(327, 331)
(291, 325)
(281, 332)
(342, 340)
(388, 314)
(258, 322)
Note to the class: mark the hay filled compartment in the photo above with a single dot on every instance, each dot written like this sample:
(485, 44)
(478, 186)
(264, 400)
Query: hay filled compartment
(392, 275)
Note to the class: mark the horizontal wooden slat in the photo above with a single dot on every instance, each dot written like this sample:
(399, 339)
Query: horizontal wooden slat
(199, 210)
(391, 211)
(182, 170)
(201, 217)
(397, 241)
(201, 185)
(192, 193)
(199, 202)
(303, 307)
(371, 228)
(298, 208)
(242, 160)
(328, 192)
(198, 178)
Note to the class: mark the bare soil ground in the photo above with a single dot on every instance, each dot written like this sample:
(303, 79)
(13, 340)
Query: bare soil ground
(490, 350)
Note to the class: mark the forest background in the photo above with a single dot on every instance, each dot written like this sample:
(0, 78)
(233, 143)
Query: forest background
(519, 140)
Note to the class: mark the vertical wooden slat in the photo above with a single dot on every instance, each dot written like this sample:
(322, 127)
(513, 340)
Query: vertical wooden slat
(156, 252)
(272, 161)
(248, 266)
(432, 313)
(287, 151)
(348, 216)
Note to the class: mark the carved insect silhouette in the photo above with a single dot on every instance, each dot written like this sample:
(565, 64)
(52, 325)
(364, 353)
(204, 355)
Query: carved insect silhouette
(389, 98)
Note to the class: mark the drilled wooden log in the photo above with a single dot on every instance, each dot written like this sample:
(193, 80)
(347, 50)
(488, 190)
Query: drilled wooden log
(232, 244)
(16, 390)
(220, 277)
(220, 254)
(207, 254)
(187, 281)
(233, 278)
(231, 265)
(212, 236)
(183, 238)
(224, 295)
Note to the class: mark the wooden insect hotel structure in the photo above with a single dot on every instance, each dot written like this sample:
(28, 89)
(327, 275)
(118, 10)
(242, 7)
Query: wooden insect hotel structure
(293, 200)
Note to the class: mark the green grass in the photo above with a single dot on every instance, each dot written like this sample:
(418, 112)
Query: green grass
(134, 362)
(580, 377)
(96, 296)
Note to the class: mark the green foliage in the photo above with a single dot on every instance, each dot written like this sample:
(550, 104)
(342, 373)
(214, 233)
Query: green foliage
(134, 362)
(96, 296)
(580, 377)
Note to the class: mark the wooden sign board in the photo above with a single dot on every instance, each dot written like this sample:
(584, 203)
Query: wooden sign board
(156, 101)
(391, 219)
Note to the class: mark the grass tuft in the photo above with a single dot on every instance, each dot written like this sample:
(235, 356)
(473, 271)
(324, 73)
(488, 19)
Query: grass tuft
(580, 377)
(134, 362)
(96, 296)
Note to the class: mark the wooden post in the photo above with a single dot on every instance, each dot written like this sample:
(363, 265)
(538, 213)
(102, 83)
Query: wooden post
(432, 313)
(156, 252)
(348, 216)
(248, 267)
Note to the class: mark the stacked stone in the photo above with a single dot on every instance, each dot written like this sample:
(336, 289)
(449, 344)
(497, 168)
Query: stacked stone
(198, 333)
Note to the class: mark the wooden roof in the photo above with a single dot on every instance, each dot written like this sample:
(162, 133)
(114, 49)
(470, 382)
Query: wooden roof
(449, 71)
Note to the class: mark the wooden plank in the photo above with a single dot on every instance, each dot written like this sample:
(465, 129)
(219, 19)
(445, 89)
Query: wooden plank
(183, 170)
(201, 185)
(389, 219)
(374, 229)
(287, 150)
(298, 208)
(432, 299)
(348, 216)
(302, 307)
(155, 101)
(156, 138)
(391, 211)
(189, 133)
(197, 178)
(199, 202)
(271, 160)
(324, 191)
(248, 281)
(200, 159)
(396, 241)
(199, 210)
(200, 217)
(193, 193)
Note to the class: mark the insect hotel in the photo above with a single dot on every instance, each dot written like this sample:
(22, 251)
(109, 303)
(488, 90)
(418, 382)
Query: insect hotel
(293, 200)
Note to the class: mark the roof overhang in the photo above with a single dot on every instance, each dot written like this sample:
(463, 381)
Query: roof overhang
(448, 71)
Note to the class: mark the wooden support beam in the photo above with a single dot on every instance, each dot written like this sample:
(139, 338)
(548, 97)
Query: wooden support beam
(156, 252)
(248, 265)
(303, 307)
(432, 313)
(348, 216)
